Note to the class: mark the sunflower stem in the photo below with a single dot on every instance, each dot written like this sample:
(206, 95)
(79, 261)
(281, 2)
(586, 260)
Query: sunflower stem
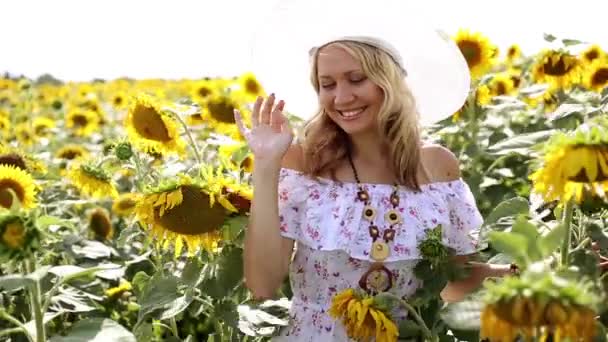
(20, 326)
(427, 332)
(35, 301)
(197, 152)
(567, 222)
(174, 329)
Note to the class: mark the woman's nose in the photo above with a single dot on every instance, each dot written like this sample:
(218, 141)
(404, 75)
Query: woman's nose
(344, 95)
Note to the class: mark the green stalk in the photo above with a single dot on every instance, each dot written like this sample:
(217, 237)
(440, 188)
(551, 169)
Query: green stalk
(21, 327)
(36, 302)
(427, 332)
(197, 152)
(567, 222)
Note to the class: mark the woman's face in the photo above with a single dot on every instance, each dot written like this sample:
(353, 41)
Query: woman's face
(350, 99)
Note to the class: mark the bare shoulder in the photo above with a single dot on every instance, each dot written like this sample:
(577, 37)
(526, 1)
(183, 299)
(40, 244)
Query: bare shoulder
(294, 158)
(441, 163)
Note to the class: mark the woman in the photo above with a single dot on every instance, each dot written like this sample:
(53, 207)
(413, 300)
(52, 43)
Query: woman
(360, 189)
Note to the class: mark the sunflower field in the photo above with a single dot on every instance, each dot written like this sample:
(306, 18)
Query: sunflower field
(123, 205)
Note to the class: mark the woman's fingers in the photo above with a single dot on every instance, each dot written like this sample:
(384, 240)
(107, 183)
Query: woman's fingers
(266, 109)
(277, 118)
(239, 124)
(255, 114)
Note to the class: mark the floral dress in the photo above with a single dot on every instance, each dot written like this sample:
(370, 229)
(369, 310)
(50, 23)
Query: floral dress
(333, 241)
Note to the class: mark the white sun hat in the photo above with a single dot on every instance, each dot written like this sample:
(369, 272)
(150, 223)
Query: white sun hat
(437, 72)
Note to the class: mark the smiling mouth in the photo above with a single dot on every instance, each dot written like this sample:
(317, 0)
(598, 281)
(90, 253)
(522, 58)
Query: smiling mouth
(352, 113)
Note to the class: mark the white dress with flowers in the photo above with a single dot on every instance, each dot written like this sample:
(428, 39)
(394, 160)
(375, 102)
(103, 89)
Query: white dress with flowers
(333, 241)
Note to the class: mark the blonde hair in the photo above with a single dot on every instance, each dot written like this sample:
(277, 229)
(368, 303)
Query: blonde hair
(326, 145)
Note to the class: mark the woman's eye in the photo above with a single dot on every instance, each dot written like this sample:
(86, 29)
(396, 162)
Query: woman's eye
(327, 86)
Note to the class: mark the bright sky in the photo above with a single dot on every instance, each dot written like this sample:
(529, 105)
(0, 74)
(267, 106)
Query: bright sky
(80, 40)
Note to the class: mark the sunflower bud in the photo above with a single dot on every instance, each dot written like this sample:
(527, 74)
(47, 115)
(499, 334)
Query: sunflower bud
(123, 151)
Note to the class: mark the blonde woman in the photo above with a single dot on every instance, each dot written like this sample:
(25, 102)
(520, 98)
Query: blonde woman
(346, 204)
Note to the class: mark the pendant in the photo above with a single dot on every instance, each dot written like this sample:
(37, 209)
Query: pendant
(380, 251)
(377, 279)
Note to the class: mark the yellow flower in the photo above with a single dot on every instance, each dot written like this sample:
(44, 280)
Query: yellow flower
(573, 164)
(91, 180)
(43, 125)
(82, 122)
(186, 212)
(596, 77)
(71, 152)
(219, 111)
(513, 54)
(24, 134)
(483, 95)
(100, 224)
(202, 90)
(14, 235)
(477, 50)
(557, 68)
(361, 318)
(18, 182)
(118, 290)
(229, 152)
(250, 87)
(125, 204)
(14, 157)
(150, 129)
(501, 85)
(592, 54)
(5, 127)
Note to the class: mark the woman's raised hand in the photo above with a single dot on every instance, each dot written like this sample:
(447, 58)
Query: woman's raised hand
(270, 135)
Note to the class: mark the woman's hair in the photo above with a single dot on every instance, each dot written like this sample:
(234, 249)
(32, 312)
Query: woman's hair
(325, 144)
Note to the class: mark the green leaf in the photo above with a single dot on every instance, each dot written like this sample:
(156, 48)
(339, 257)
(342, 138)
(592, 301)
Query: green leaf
(177, 306)
(527, 229)
(596, 233)
(45, 221)
(97, 329)
(463, 315)
(512, 244)
(192, 273)
(570, 42)
(409, 329)
(565, 110)
(13, 282)
(520, 143)
(551, 241)
(549, 37)
(157, 294)
(507, 208)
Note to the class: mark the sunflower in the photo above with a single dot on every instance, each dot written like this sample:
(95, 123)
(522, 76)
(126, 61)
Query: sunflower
(202, 90)
(5, 127)
(362, 318)
(24, 134)
(592, 54)
(235, 196)
(92, 180)
(72, 152)
(250, 87)
(477, 50)
(501, 85)
(151, 129)
(557, 68)
(125, 204)
(119, 100)
(19, 237)
(572, 164)
(513, 54)
(483, 95)
(539, 301)
(18, 182)
(100, 224)
(238, 155)
(185, 212)
(219, 110)
(42, 126)
(596, 77)
(82, 122)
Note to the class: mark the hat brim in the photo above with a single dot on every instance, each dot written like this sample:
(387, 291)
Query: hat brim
(437, 73)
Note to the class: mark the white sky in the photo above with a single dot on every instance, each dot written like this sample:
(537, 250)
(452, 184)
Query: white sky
(80, 40)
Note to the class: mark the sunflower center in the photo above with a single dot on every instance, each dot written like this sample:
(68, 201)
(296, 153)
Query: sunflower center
(222, 111)
(512, 52)
(80, 120)
(149, 124)
(600, 77)
(252, 86)
(126, 204)
(204, 91)
(561, 67)
(118, 100)
(6, 200)
(70, 154)
(13, 159)
(100, 224)
(501, 88)
(193, 216)
(591, 55)
(471, 51)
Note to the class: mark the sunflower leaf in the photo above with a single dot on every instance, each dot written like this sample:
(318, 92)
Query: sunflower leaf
(507, 208)
(549, 243)
(527, 229)
(520, 143)
(549, 37)
(511, 244)
(96, 329)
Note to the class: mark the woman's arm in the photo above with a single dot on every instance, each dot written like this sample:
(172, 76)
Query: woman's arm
(478, 272)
